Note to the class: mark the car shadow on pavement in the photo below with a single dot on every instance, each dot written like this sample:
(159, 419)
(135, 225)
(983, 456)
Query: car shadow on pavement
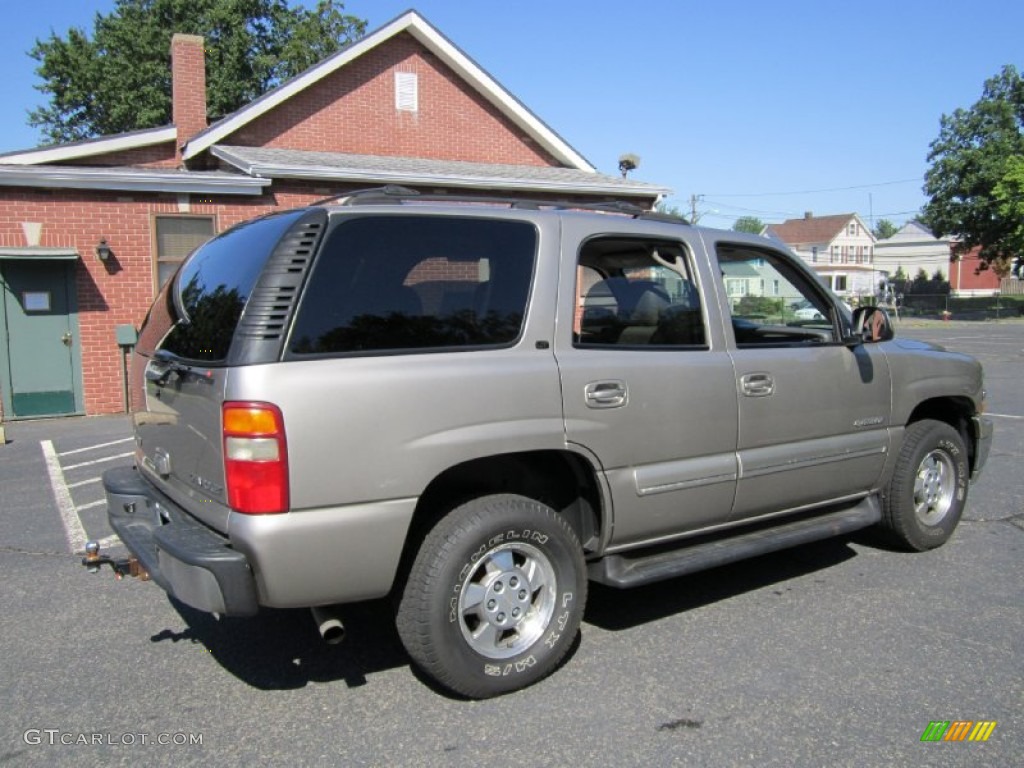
(282, 649)
(617, 609)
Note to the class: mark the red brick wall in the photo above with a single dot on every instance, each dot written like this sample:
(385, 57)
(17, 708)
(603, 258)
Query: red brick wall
(353, 111)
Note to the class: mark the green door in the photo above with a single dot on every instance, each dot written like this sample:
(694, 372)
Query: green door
(40, 344)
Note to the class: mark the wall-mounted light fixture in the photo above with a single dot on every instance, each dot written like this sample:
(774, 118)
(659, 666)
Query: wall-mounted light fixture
(103, 250)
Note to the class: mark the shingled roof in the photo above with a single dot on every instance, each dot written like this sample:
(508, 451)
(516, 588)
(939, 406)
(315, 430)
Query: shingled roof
(811, 230)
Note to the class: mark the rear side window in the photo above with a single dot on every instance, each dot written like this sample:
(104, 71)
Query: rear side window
(202, 305)
(416, 283)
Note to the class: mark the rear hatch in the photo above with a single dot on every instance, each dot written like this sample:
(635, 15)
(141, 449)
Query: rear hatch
(226, 306)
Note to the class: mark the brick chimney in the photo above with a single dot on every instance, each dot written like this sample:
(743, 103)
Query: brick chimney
(188, 87)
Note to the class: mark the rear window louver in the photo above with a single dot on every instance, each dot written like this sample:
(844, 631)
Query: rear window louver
(264, 323)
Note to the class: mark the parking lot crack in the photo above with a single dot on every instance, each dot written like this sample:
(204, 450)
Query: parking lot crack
(37, 553)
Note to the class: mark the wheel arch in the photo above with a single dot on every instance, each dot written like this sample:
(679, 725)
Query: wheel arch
(563, 480)
(954, 411)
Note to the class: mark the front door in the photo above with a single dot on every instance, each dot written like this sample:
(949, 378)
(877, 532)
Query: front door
(813, 413)
(40, 360)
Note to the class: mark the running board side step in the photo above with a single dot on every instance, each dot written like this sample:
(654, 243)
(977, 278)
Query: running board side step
(625, 571)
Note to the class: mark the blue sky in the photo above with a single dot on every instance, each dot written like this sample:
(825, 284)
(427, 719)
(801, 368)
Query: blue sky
(762, 108)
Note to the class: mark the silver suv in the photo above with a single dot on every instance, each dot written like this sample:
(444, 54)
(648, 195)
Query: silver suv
(477, 407)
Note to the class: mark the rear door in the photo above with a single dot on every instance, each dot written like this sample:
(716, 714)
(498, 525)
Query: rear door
(647, 386)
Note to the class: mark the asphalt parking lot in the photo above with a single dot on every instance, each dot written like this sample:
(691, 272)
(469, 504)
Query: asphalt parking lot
(839, 653)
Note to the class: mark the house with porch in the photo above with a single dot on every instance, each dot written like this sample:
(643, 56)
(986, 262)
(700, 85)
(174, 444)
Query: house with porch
(90, 230)
(840, 248)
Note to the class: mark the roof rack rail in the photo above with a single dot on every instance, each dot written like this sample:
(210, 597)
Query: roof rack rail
(393, 193)
(389, 192)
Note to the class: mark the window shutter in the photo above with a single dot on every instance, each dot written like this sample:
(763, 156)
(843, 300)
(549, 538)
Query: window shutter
(406, 92)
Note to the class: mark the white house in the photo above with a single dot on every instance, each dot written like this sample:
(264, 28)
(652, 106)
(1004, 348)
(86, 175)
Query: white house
(840, 248)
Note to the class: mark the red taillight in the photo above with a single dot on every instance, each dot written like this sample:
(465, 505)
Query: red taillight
(255, 458)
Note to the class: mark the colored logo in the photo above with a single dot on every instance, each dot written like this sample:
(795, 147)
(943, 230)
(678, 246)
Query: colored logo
(958, 730)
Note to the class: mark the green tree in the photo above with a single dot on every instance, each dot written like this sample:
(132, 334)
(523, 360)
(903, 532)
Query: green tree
(750, 224)
(1009, 194)
(119, 78)
(885, 229)
(669, 210)
(969, 159)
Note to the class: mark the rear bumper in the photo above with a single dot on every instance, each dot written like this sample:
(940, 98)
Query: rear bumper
(190, 561)
(981, 431)
(298, 559)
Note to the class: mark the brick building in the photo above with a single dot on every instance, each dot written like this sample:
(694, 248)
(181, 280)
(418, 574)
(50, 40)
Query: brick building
(89, 230)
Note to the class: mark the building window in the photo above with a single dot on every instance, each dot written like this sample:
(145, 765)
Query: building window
(176, 238)
(838, 283)
(853, 228)
(406, 92)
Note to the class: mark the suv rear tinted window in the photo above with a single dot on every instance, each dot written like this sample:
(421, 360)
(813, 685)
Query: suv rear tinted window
(416, 282)
(211, 290)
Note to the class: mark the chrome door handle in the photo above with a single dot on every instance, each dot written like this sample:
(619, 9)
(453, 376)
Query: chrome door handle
(757, 385)
(606, 394)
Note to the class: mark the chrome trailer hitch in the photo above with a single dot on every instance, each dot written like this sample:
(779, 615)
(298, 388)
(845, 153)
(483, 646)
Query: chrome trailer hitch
(121, 566)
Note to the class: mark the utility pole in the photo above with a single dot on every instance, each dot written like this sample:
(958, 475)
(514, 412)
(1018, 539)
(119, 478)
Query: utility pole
(694, 199)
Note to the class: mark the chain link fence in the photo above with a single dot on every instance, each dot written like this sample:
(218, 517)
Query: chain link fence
(947, 307)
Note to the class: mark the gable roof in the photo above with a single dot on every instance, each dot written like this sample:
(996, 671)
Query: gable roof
(414, 24)
(101, 145)
(814, 229)
(270, 163)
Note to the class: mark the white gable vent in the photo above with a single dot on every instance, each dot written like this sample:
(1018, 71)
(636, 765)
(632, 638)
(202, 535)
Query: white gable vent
(406, 92)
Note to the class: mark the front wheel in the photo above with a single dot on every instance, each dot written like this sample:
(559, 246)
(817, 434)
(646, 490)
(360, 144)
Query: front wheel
(495, 596)
(928, 490)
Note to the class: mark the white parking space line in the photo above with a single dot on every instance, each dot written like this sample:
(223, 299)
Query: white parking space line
(98, 461)
(91, 505)
(95, 447)
(109, 541)
(73, 530)
(1003, 416)
(80, 483)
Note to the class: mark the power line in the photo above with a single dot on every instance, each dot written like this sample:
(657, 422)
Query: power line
(816, 191)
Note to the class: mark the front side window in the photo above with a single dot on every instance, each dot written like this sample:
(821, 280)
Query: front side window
(637, 293)
(780, 304)
(416, 283)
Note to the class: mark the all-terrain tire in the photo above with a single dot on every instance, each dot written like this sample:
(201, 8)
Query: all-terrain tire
(495, 596)
(926, 495)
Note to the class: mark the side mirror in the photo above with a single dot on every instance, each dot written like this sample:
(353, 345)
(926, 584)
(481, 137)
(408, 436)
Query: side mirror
(870, 324)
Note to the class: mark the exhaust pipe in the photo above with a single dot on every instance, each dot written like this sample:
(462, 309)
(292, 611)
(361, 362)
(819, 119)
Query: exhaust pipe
(329, 625)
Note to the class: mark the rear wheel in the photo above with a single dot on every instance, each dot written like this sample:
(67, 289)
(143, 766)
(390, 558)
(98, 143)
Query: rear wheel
(928, 490)
(495, 596)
